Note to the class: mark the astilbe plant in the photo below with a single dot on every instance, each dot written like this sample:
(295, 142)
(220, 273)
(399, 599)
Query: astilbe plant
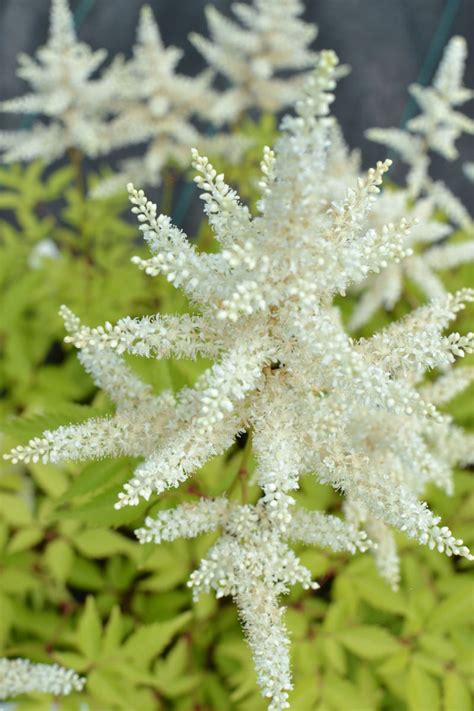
(435, 129)
(76, 106)
(439, 124)
(271, 39)
(143, 100)
(156, 104)
(310, 399)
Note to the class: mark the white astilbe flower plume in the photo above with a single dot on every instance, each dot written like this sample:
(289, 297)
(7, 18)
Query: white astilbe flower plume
(439, 124)
(20, 676)
(252, 562)
(421, 267)
(270, 39)
(383, 546)
(435, 129)
(311, 399)
(156, 105)
(76, 107)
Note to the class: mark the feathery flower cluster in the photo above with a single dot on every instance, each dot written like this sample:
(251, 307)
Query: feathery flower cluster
(355, 414)
(76, 106)
(146, 100)
(156, 104)
(439, 124)
(436, 128)
(270, 39)
(20, 676)
(143, 100)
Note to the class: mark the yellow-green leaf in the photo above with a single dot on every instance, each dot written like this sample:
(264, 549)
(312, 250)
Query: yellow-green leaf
(150, 640)
(454, 610)
(15, 510)
(457, 696)
(422, 691)
(101, 543)
(113, 632)
(59, 558)
(25, 538)
(89, 630)
(334, 655)
(377, 593)
(368, 641)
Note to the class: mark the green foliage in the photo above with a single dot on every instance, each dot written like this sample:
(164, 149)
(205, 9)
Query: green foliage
(78, 589)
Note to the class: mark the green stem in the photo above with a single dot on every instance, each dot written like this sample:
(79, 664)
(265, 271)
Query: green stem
(243, 472)
(76, 157)
(169, 182)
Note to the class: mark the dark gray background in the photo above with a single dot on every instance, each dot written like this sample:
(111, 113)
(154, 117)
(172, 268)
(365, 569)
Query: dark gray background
(387, 43)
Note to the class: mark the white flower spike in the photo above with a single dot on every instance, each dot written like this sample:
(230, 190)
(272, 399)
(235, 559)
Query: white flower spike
(436, 128)
(20, 676)
(76, 107)
(271, 39)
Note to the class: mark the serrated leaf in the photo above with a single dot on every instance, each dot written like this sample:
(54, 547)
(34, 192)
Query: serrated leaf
(106, 688)
(72, 660)
(297, 623)
(58, 181)
(24, 539)
(368, 641)
(378, 594)
(368, 686)
(216, 693)
(50, 478)
(338, 615)
(86, 575)
(15, 580)
(59, 558)
(334, 655)
(40, 624)
(395, 664)
(100, 510)
(11, 175)
(101, 543)
(15, 510)
(456, 694)
(165, 580)
(92, 478)
(437, 645)
(89, 630)
(174, 688)
(337, 691)
(176, 660)
(422, 690)
(171, 677)
(454, 610)
(150, 640)
(113, 633)
(429, 662)
(8, 201)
